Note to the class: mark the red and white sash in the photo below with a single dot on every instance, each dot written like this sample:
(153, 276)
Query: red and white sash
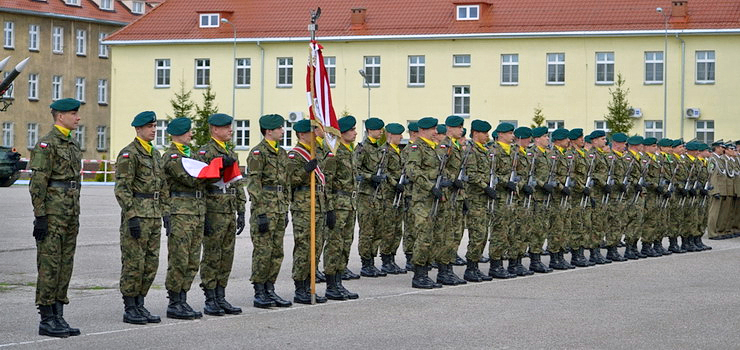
(303, 153)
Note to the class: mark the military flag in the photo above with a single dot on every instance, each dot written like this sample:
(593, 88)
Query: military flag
(318, 93)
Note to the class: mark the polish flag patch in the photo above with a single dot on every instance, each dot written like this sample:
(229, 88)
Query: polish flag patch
(442, 146)
(570, 156)
(202, 152)
(43, 145)
(414, 146)
(591, 155)
(291, 156)
(125, 155)
(330, 154)
(628, 158)
(529, 154)
(173, 156)
(610, 157)
(256, 152)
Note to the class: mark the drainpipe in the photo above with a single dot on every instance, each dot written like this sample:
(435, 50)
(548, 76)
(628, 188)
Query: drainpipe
(262, 80)
(683, 79)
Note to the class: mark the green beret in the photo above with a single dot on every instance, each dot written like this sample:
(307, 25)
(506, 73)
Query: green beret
(441, 129)
(347, 123)
(267, 122)
(560, 134)
(523, 132)
(65, 105)
(374, 124)
(539, 131)
(480, 125)
(465, 132)
(677, 143)
(144, 118)
(178, 126)
(494, 135)
(737, 142)
(504, 127)
(635, 140)
(692, 146)
(649, 141)
(619, 137)
(303, 125)
(414, 126)
(704, 147)
(664, 142)
(718, 143)
(220, 119)
(587, 138)
(427, 123)
(395, 128)
(454, 121)
(597, 133)
(574, 134)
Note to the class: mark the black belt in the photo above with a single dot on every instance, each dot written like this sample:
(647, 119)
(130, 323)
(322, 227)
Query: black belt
(278, 188)
(196, 194)
(154, 195)
(220, 191)
(65, 184)
(319, 188)
(352, 194)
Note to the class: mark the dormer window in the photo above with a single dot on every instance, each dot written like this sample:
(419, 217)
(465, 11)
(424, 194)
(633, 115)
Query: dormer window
(468, 12)
(209, 20)
(138, 7)
(106, 5)
(72, 2)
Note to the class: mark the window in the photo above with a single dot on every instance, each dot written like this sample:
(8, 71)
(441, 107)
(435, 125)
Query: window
(56, 87)
(555, 124)
(705, 131)
(80, 136)
(7, 134)
(9, 35)
(416, 70)
(285, 71)
(243, 72)
(102, 48)
(461, 60)
(106, 4)
(102, 91)
(162, 72)
(372, 70)
(80, 89)
(512, 122)
(57, 40)
(241, 133)
(654, 67)
(72, 2)
(467, 12)
(9, 92)
(160, 139)
(331, 69)
(33, 37)
(601, 125)
(138, 7)
(81, 42)
(287, 140)
(209, 20)
(705, 67)
(101, 143)
(461, 100)
(556, 68)
(510, 69)
(654, 128)
(32, 135)
(605, 68)
(33, 86)
(202, 72)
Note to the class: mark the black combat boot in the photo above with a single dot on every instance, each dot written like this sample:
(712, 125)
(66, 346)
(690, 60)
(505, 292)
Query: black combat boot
(443, 275)
(409, 264)
(221, 300)
(307, 287)
(270, 291)
(454, 276)
(512, 267)
(700, 244)
(184, 302)
(497, 270)
(434, 284)
(637, 251)
(387, 266)
(345, 291)
(320, 276)
(59, 313)
(420, 279)
(144, 312)
(367, 268)
(629, 253)
(647, 249)
(302, 295)
(521, 270)
(211, 307)
(557, 262)
(175, 308)
(576, 259)
(131, 313)
(395, 266)
(332, 289)
(49, 325)
(658, 248)
(349, 275)
(688, 245)
(261, 300)
(459, 261)
(596, 257)
(536, 265)
(613, 254)
(471, 272)
(565, 262)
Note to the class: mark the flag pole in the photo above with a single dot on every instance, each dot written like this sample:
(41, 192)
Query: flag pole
(312, 28)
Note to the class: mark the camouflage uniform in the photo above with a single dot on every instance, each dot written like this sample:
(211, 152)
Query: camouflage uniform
(503, 217)
(392, 231)
(55, 194)
(478, 217)
(634, 207)
(614, 207)
(560, 221)
(341, 186)
(370, 207)
(409, 233)
(653, 217)
(537, 222)
(422, 167)
(452, 225)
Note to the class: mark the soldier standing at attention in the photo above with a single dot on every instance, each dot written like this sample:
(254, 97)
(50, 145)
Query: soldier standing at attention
(559, 219)
(300, 169)
(409, 235)
(503, 217)
(521, 218)
(55, 196)
(718, 193)
(341, 185)
(391, 230)
(268, 191)
(539, 219)
(139, 180)
(322, 152)
(603, 160)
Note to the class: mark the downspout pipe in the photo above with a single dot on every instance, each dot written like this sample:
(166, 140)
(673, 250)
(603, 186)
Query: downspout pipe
(683, 80)
(262, 79)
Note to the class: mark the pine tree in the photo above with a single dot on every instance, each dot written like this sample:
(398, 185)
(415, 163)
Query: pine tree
(539, 118)
(182, 106)
(201, 134)
(619, 117)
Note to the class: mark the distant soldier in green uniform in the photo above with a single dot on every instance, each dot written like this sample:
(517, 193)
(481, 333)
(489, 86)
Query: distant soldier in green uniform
(538, 218)
(672, 169)
(719, 179)
(560, 221)
(55, 196)
(139, 184)
(391, 230)
(519, 236)
(653, 218)
(633, 206)
(268, 191)
(599, 193)
(409, 234)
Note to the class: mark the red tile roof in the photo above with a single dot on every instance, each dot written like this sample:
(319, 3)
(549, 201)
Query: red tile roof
(87, 9)
(178, 19)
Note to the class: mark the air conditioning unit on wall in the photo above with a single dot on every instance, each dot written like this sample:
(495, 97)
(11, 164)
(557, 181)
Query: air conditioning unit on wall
(636, 112)
(295, 116)
(693, 113)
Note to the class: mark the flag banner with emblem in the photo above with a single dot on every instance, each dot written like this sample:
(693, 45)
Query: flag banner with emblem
(231, 174)
(202, 170)
(319, 97)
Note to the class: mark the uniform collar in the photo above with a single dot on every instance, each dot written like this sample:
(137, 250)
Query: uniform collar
(561, 149)
(66, 132)
(505, 146)
(184, 149)
(220, 143)
(272, 144)
(395, 148)
(146, 144)
(481, 146)
(303, 145)
(349, 146)
(542, 149)
(431, 143)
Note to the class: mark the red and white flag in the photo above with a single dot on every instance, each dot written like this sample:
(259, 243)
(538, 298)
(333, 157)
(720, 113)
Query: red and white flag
(319, 96)
(202, 170)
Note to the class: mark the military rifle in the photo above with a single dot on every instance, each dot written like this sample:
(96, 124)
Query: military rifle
(513, 176)
(531, 182)
(609, 179)
(399, 194)
(626, 178)
(568, 181)
(669, 191)
(440, 177)
(551, 179)
(492, 182)
(461, 174)
(589, 182)
(381, 168)
(641, 181)
(687, 185)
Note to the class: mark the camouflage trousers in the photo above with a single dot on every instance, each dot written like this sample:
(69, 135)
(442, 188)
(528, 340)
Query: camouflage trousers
(409, 232)
(370, 215)
(55, 259)
(519, 235)
(139, 256)
(634, 211)
(218, 250)
(477, 220)
(615, 220)
(653, 219)
(393, 230)
(455, 226)
(674, 216)
(701, 223)
(267, 254)
(599, 221)
(534, 224)
(302, 242)
(442, 234)
(690, 220)
(502, 226)
(339, 242)
(428, 238)
(183, 251)
(581, 223)
(559, 225)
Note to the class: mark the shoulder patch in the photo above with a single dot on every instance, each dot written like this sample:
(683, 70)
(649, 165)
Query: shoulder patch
(125, 155)
(414, 146)
(43, 144)
(628, 158)
(529, 154)
(610, 156)
(173, 156)
(291, 155)
(591, 155)
(442, 146)
(553, 157)
(570, 156)
(330, 154)
(256, 152)
(644, 161)
(202, 152)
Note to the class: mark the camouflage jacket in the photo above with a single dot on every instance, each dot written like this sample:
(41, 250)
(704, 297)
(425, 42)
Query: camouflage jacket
(454, 162)
(422, 167)
(300, 180)
(394, 167)
(55, 158)
(504, 162)
(268, 184)
(219, 202)
(340, 183)
(138, 172)
(369, 155)
(178, 180)
(542, 165)
(478, 171)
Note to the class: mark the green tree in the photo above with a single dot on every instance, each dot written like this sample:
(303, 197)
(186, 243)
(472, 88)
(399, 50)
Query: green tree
(619, 117)
(201, 134)
(539, 118)
(182, 106)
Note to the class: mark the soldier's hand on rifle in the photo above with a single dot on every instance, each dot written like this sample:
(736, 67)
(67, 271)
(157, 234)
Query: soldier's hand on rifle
(692, 192)
(511, 186)
(465, 207)
(586, 191)
(134, 227)
(378, 179)
(566, 191)
(622, 187)
(660, 189)
(491, 192)
(527, 189)
(548, 188)
(359, 178)
(445, 183)
(263, 223)
(606, 189)
(311, 165)
(703, 192)
(166, 223)
(331, 219)
(400, 187)
(40, 228)
(681, 191)
(667, 194)
(240, 222)
(458, 184)
(637, 187)
(437, 193)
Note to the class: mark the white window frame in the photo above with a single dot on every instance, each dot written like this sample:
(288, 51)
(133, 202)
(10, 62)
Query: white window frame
(81, 42)
(461, 100)
(8, 134)
(552, 125)
(80, 89)
(57, 39)
(461, 62)
(605, 68)
(9, 93)
(653, 67)
(209, 20)
(106, 5)
(33, 37)
(371, 66)
(202, 72)
(72, 2)
(654, 128)
(101, 143)
(102, 91)
(467, 12)
(160, 138)
(510, 69)
(330, 62)
(33, 86)
(417, 71)
(285, 72)
(162, 70)
(9, 35)
(32, 135)
(79, 135)
(556, 60)
(243, 72)
(703, 127)
(287, 140)
(57, 83)
(102, 48)
(241, 134)
(602, 125)
(138, 7)
(709, 63)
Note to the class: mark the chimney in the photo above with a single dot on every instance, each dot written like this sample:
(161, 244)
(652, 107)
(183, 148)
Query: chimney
(680, 8)
(358, 17)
